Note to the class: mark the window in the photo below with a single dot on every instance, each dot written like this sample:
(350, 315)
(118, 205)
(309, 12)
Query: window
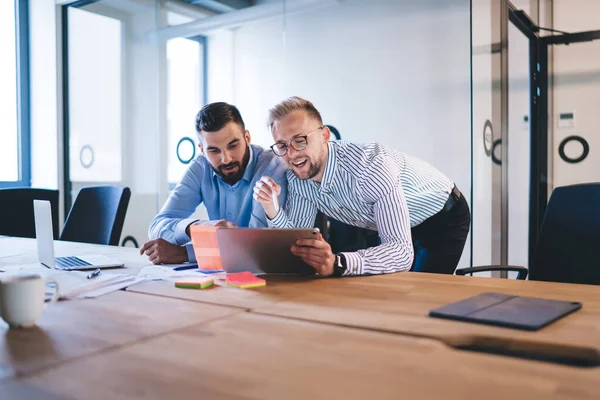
(185, 69)
(14, 96)
(95, 85)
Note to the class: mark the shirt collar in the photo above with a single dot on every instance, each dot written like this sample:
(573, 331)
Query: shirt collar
(330, 167)
(248, 173)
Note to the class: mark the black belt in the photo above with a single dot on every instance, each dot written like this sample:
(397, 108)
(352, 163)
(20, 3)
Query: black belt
(452, 199)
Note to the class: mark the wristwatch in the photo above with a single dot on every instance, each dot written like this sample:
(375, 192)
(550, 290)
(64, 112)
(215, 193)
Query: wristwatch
(339, 266)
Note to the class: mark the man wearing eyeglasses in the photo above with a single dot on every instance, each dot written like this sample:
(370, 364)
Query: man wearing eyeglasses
(421, 217)
(222, 178)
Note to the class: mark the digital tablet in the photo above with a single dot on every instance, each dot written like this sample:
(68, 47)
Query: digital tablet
(262, 250)
(529, 313)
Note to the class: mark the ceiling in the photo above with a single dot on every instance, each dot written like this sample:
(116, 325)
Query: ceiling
(222, 6)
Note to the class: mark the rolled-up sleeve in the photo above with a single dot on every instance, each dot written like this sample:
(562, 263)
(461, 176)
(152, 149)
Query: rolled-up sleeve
(298, 212)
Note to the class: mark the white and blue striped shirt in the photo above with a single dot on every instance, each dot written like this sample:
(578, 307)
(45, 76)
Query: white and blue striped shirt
(374, 187)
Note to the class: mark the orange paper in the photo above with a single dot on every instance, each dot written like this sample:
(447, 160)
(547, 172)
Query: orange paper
(206, 247)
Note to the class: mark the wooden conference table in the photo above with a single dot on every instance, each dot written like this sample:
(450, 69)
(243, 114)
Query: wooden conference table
(295, 338)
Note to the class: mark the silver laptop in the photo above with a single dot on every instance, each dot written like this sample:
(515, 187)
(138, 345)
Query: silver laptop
(263, 251)
(45, 245)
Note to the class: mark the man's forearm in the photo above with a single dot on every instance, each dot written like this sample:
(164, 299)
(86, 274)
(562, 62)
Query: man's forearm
(383, 259)
(173, 230)
(176, 230)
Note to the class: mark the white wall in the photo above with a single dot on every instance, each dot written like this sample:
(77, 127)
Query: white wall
(393, 72)
(577, 89)
(145, 167)
(220, 68)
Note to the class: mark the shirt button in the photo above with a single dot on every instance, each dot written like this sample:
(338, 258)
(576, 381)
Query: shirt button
(229, 215)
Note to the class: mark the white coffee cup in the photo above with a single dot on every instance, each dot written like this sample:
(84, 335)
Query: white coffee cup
(22, 299)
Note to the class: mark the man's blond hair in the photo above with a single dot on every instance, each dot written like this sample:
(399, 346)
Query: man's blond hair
(289, 105)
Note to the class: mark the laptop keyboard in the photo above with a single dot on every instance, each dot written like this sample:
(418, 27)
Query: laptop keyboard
(70, 262)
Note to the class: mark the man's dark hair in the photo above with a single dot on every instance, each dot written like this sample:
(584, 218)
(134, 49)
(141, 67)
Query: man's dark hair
(214, 116)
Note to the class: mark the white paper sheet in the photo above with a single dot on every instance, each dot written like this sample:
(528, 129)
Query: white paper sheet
(75, 284)
(158, 272)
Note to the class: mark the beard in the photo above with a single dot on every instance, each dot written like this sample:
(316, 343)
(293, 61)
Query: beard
(313, 170)
(313, 167)
(233, 178)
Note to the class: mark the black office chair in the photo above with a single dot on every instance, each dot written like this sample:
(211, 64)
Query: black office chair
(343, 237)
(335, 132)
(568, 249)
(16, 210)
(97, 216)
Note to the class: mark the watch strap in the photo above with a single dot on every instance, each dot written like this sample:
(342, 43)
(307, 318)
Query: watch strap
(339, 267)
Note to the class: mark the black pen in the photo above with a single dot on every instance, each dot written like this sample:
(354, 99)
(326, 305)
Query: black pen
(94, 273)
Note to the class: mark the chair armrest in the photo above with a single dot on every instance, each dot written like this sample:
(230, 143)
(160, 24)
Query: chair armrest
(522, 271)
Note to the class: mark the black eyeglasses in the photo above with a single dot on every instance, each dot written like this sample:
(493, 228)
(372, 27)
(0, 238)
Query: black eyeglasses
(298, 143)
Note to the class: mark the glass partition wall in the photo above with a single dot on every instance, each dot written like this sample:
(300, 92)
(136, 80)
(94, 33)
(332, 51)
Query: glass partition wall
(545, 92)
(487, 132)
(574, 136)
(519, 141)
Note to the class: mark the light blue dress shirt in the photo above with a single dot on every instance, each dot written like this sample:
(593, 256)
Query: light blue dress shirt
(235, 203)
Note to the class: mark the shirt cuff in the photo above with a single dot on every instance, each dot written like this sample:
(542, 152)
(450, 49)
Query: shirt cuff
(190, 253)
(353, 264)
(279, 221)
(180, 235)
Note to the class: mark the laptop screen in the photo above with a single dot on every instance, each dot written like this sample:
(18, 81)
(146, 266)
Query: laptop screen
(43, 232)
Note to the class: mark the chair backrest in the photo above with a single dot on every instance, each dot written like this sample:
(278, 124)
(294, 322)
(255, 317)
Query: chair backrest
(335, 132)
(568, 249)
(97, 216)
(16, 210)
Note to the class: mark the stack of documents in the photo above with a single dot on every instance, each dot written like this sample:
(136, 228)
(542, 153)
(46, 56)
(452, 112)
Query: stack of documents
(75, 284)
